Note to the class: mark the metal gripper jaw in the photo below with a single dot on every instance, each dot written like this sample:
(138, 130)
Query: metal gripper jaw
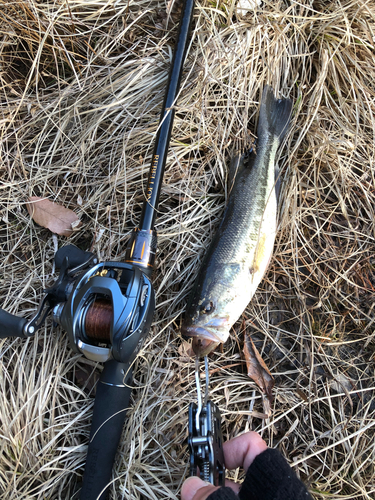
(206, 444)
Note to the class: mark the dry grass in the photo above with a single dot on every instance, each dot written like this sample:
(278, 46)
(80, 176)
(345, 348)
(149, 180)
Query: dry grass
(81, 88)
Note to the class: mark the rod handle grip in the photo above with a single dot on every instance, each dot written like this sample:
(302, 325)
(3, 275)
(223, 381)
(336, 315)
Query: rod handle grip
(111, 403)
(11, 325)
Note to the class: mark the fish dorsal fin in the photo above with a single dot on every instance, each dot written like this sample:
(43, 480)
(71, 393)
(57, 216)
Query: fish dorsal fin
(235, 167)
(248, 157)
(239, 164)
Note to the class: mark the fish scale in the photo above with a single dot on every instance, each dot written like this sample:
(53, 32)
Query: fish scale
(241, 248)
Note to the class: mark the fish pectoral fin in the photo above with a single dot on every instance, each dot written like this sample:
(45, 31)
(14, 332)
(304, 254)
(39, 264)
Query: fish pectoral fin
(262, 254)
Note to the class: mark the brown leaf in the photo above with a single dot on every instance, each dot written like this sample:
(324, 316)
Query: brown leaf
(55, 217)
(256, 367)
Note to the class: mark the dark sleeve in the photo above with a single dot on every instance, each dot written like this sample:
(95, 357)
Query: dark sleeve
(223, 494)
(269, 477)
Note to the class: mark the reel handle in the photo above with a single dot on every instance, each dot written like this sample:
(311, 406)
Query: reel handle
(11, 325)
(111, 403)
(76, 256)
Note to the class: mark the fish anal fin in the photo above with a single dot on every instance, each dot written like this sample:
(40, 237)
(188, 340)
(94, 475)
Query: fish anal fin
(277, 183)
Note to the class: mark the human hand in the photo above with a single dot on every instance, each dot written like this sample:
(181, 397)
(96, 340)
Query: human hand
(238, 452)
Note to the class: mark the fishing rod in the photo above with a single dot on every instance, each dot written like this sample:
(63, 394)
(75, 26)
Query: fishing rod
(106, 308)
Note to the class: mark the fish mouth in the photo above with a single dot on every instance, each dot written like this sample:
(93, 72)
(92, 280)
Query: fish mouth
(214, 331)
(204, 340)
(206, 336)
(203, 347)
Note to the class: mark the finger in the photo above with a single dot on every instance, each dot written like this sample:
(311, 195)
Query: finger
(241, 451)
(234, 486)
(196, 489)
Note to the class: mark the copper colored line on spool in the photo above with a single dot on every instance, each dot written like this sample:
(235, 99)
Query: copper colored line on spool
(98, 320)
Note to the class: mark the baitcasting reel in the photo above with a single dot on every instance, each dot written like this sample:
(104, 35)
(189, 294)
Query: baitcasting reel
(106, 308)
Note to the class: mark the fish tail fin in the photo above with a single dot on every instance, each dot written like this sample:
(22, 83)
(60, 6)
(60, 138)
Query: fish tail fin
(274, 115)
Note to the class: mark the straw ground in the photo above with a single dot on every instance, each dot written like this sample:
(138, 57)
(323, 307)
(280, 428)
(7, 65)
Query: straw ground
(81, 88)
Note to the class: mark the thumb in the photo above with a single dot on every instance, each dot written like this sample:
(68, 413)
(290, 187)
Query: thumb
(196, 489)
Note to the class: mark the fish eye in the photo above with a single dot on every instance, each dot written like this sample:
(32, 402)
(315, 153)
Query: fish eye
(207, 307)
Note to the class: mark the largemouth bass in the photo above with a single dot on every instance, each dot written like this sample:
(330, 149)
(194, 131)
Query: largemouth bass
(241, 249)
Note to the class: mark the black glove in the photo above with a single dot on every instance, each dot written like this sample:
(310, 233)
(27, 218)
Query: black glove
(269, 477)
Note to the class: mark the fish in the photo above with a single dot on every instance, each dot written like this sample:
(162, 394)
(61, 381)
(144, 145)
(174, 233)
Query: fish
(242, 246)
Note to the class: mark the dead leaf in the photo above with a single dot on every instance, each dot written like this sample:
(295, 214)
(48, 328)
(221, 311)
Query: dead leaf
(55, 217)
(257, 368)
